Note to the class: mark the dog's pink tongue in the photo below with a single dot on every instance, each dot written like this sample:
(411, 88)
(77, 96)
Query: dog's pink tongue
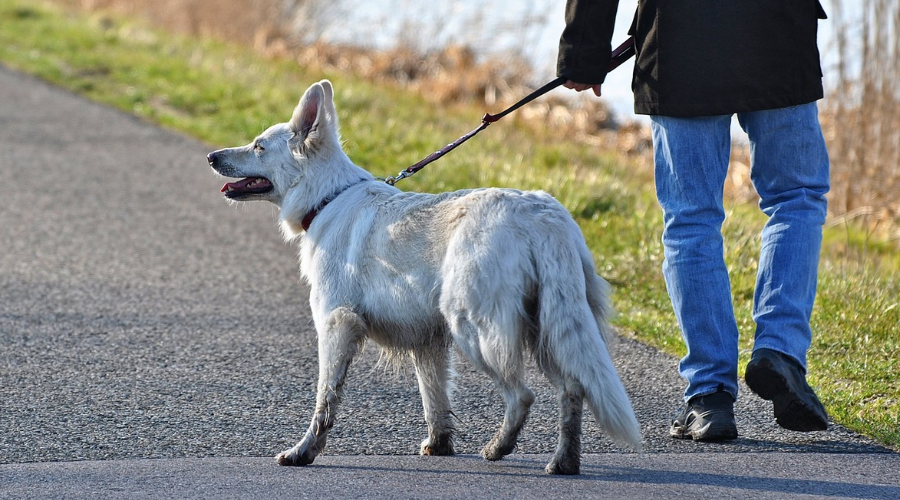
(237, 186)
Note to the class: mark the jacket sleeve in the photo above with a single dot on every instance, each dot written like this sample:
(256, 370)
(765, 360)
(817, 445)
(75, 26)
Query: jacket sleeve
(585, 46)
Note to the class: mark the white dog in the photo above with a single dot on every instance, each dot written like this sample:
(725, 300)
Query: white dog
(495, 271)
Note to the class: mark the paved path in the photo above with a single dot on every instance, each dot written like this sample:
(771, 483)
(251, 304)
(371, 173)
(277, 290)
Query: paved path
(156, 341)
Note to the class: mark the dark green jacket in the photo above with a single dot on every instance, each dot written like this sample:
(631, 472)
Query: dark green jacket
(702, 57)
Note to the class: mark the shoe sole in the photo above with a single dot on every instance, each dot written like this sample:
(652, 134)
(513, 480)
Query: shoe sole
(711, 434)
(708, 433)
(792, 411)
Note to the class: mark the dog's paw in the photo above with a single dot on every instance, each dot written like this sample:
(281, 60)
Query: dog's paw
(567, 466)
(442, 446)
(496, 449)
(296, 456)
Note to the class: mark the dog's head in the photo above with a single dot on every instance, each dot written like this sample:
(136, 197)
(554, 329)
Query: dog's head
(279, 158)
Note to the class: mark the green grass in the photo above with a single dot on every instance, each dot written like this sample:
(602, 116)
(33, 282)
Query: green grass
(225, 95)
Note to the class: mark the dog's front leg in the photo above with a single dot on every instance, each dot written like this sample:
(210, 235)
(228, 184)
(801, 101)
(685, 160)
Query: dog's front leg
(434, 373)
(339, 342)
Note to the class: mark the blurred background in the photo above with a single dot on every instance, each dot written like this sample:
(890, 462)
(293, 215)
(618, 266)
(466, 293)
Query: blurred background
(493, 53)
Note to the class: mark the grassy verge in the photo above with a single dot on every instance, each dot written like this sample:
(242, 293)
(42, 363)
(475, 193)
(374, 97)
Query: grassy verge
(226, 95)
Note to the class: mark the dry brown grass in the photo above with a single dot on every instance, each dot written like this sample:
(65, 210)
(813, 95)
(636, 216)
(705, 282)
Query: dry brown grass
(243, 21)
(861, 119)
(447, 76)
(861, 116)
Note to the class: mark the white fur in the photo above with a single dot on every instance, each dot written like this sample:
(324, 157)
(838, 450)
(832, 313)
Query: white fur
(497, 271)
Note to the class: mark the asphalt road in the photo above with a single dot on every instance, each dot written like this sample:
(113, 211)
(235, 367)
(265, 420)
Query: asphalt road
(156, 342)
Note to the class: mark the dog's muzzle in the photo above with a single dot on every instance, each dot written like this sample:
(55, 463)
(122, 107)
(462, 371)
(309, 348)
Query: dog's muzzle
(248, 188)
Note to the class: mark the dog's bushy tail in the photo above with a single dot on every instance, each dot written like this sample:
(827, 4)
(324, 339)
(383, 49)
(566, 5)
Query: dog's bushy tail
(574, 317)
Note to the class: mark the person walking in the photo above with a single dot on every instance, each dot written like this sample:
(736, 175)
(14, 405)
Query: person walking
(697, 65)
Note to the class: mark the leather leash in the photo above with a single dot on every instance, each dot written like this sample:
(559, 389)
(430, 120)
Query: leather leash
(622, 53)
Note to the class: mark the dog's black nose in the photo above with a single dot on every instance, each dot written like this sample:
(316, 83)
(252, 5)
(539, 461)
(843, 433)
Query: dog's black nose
(211, 158)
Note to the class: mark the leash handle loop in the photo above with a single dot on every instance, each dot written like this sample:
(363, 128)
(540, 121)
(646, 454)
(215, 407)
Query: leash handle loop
(622, 53)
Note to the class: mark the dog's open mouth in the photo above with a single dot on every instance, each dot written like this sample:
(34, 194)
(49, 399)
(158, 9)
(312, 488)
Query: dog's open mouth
(247, 187)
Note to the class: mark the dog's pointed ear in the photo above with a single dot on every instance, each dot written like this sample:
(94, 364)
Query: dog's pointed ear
(307, 115)
(328, 91)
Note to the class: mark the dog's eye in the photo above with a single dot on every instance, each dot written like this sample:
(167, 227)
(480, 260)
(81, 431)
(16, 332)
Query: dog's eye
(258, 148)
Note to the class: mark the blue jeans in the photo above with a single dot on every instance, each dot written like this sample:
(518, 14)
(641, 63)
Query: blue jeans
(789, 169)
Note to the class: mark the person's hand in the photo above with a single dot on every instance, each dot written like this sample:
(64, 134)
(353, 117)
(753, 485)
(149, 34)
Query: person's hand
(579, 87)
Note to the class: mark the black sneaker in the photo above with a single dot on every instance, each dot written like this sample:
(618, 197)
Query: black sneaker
(778, 378)
(706, 418)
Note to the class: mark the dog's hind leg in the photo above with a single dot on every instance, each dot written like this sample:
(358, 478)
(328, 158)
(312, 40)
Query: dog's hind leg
(567, 458)
(434, 374)
(497, 353)
(338, 344)
(518, 399)
(479, 302)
